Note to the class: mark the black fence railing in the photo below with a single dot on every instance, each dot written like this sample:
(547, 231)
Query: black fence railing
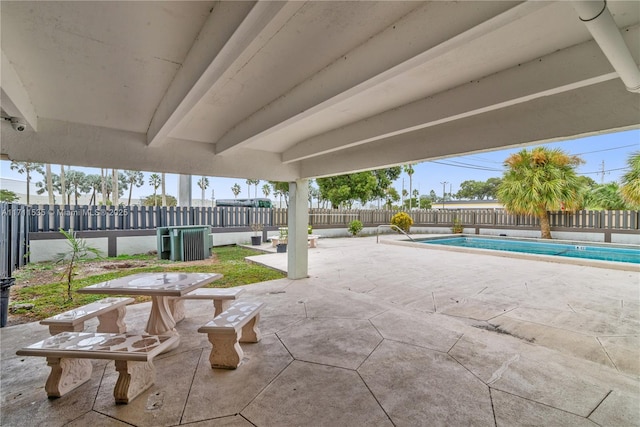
(14, 238)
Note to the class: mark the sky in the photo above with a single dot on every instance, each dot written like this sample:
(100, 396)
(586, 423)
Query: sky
(605, 159)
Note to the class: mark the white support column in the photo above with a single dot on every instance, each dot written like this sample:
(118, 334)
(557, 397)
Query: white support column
(184, 190)
(297, 252)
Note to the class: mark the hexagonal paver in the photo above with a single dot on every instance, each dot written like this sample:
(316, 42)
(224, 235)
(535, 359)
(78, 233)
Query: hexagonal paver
(344, 343)
(303, 394)
(417, 386)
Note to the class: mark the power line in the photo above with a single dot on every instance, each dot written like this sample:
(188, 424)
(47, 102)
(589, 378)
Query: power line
(608, 149)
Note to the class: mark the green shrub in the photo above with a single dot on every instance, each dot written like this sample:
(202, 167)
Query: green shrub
(355, 227)
(458, 227)
(403, 221)
(310, 229)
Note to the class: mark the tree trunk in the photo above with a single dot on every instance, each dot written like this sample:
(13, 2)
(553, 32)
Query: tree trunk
(103, 182)
(63, 187)
(49, 184)
(28, 183)
(114, 185)
(545, 226)
(164, 194)
(130, 191)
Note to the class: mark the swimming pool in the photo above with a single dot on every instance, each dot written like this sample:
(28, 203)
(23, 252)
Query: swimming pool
(570, 250)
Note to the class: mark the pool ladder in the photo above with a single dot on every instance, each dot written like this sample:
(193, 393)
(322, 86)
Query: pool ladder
(394, 227)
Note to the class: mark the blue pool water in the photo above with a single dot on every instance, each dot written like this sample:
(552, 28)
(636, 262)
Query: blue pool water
(579, 250)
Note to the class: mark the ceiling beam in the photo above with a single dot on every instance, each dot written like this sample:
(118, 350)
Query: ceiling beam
(216, 56)
(15, 100)
(561, 71)
(60, 142)
(600, 108)
(355, 73)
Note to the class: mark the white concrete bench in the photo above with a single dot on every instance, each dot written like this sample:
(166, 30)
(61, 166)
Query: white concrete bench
(221, 297)
(311, 238)
(239, 323)
(109, 311)
(68, 352)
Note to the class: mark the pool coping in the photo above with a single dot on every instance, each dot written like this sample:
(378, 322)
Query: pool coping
(624, 266)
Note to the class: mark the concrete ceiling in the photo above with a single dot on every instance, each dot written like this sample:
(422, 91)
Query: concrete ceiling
(287, 90)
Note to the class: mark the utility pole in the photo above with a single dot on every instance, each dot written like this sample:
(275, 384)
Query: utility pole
(444, 188)
(602, 174)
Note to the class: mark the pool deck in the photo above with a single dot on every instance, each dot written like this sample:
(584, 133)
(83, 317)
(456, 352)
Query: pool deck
(381, 335)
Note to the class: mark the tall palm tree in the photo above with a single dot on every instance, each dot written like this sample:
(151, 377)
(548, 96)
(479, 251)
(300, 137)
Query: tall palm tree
(409, 171)
(164, 190)
(115, 191)
(538, 181)
(49, 180)
(103, 182)
(266, 190)
(203, 183)
(631, 180)
(63, 185)
(77, 183)
(155, 181)
(94, 183)
(236, 190)
(27, 168)
(133, 178)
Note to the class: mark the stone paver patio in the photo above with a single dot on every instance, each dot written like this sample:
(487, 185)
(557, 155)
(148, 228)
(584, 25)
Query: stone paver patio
(381, 335)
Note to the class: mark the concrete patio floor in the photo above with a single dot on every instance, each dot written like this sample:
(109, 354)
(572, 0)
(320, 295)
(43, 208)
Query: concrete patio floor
(381, 335)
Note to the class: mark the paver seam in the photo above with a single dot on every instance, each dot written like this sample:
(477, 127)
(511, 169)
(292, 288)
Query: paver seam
(372, 351)
(607, 354)
(375, 397)
(193, 377)
(599, 403)
(493, 409)
(547, 405)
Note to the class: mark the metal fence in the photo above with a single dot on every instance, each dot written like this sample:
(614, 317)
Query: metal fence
(87, 218)
(17, 221)
(14, 238)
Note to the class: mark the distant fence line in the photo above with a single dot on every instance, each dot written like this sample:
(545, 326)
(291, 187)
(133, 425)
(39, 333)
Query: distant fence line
(46, 218)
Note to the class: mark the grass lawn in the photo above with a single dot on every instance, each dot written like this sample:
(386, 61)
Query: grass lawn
(51, 298)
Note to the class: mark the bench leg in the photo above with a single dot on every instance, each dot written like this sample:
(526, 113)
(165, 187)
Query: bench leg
(176, 306)
(113, 321)
(220, 305)
(134, 378)
(66, 375)
(56, 329)
(250, 331)
(226, 352)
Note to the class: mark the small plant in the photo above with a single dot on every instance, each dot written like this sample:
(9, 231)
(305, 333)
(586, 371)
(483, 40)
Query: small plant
(310, 229)
(403, 221)
(256, 227)
(78, 250)
(355, 227)
(284, 235)
(458, 227)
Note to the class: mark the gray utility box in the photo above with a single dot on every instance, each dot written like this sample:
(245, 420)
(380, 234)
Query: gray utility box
(184, 243)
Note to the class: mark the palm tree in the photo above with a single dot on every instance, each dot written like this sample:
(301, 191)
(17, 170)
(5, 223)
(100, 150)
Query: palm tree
(27, 168)
(266, 190)
(77, 183)
(133, 178)
(251, 182)
(236, 190)
(605, 197)
(164, 190)
(103, 187)
(114, 187)
(49, 180)
(155, 181)
(94, 182)
(538, 181)
(631, 180)
(409, 171)
(203, 183)
(63, 185)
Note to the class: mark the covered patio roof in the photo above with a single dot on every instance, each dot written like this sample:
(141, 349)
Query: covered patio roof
(291, 90)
